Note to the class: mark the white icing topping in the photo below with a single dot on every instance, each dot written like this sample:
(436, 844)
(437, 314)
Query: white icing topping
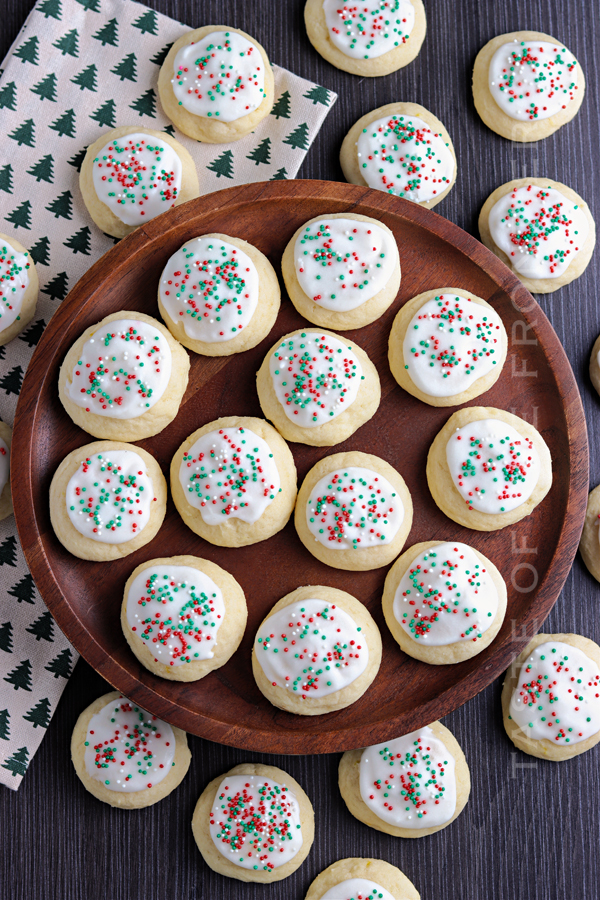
(311, 648)
(230, 473)
(357, 889)
(128, 749)
(557, 696)
(369, 28)
(4, 464)
(532, 80)
(446, 596)
(315, 377)
(540, 230)
(451, 341)
(122, 371)
(109, 497)
(176, 611)
(14, 281)
(494, 468)
(137, 176)
(212, 287)
(342, 263)
(255, 822)
(409, 782)
(354, 508)
(221, 76)
(403, 156)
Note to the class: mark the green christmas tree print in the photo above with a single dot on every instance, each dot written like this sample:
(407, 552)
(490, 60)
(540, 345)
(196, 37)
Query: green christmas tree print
(77, 160)
(147, 23)
(62, 207)
(46, 88)
(105, 114)
(68, 44)
(28, 52)
(43, 170)
(168, 129)
(87, 79)
(6, 178)
(40, 252)
(65, 124)
(280, 175)
(298, 139)
(159, 58)
(11, 383)
(3, 351)
(4, 725)
(24, 590)
(20, 677)
(8, 96)
(93, 5)
(281, 110)
(262, 153)
(42, 628)
(61, 664)
(6, 643)
(127, 68)
(109, 34)
(146, 104)
(40, 714)
(33, 333)
(79, 242)
(21, 216)
(58, 288)
(24, 134)
(8, 551)
(18, 762)
(51, 8)
(318, 94)
(222, 165)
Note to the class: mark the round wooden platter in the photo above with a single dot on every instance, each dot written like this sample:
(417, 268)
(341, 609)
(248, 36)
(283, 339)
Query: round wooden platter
(534, 556)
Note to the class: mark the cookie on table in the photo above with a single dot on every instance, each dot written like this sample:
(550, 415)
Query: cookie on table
(369, 39)
(551, 697)
(410, 786)
(85, 516)
(444, 602)
(403, 149)
(595, 365)
(354, 511)
(269, 814)
(317, 388)
(216, 84)
(125, 756)
(19, 288)
(526, 85)
(219, 295)
(342, 271)
(132, 174)
(182, 616)
(541, 229)
(338, 651)
(233, 481)
(6, 506)
(367, 879)
(447, 346)
(124, 378)
(487, 469)
(589, 544)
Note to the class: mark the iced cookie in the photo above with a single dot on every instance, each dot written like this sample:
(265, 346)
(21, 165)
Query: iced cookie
(444, 602)
(318, 650)
(354, 511)
(369, 38)
(183, 617)
(342, 271)
(410, 786)
(447, 346)
(254, 823)
(590, 536)
(6, 506)
(233, 481)
(216, 84)
(526, 85)
(125, 756)
(402, 149)
(131, 175)
(362, 879)
(19, 288)
(551, 697)
(487, 469)
(317, 388)
(595, 365)
(124, 378)
(541, 229)
(219, 295)
(107, 499)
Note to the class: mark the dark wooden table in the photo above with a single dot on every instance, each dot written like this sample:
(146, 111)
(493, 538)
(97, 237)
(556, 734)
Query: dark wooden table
(531, 829)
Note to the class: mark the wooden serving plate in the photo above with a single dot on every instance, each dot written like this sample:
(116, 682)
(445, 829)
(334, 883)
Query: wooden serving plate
(534, 556)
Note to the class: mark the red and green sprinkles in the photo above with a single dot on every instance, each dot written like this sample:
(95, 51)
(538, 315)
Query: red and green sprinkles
(135, 176)
(366, 30)
(13, 282)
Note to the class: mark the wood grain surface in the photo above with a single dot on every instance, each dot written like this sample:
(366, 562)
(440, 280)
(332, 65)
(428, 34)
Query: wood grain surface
(531, 828)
